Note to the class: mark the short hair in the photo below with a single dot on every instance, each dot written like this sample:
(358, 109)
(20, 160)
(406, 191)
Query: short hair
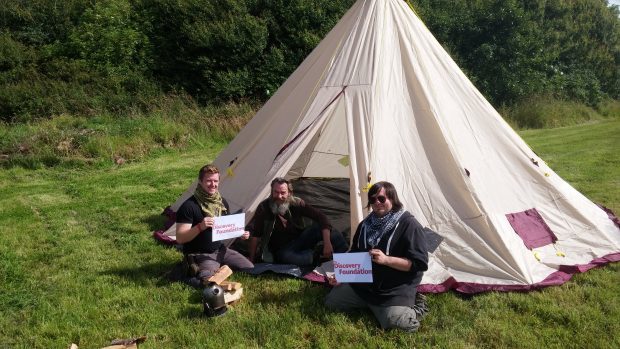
(282, 180)
(207, 169)
(390, 192)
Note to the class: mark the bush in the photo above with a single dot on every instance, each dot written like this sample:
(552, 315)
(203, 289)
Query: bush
(609, 108)
(547, 112)
(70, 141)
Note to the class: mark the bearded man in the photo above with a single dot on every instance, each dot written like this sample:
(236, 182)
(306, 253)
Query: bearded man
(195, 220)
(288, 229)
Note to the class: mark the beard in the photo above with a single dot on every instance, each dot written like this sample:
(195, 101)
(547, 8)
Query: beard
(279, 209)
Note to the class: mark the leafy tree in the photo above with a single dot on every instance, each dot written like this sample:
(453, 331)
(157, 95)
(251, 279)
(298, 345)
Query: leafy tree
(585, 35)
(204, 47)
(514, 49)
(84, 56)
(109, 39)
(494, 41)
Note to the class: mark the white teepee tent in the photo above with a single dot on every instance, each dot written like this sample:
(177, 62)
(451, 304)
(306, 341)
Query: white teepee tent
(380, 99)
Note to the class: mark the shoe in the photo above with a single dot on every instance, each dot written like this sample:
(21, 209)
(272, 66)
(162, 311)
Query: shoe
(420, 307)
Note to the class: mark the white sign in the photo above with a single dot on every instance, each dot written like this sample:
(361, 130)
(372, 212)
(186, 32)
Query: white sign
(228, 227)
(353, 267)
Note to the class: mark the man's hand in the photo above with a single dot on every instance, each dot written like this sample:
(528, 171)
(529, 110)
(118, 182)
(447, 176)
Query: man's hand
(252, 246)
(206, 223)
(328, 249)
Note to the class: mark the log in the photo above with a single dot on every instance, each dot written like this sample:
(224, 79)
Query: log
(230, 285)
(220, 275)
(231, 296)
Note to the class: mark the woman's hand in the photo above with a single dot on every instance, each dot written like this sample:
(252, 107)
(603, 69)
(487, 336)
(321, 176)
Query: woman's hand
(398, 263)
(332, 281)
(377, 256)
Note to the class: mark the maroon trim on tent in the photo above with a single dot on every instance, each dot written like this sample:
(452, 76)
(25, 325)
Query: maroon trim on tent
(559, 277)
(532, 228)
(314, 277)
(611, 215)
(163, 238)
(305, 129)
(159, 234)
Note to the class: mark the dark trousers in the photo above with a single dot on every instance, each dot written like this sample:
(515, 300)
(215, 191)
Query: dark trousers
(343, 298)
(209, 263)
(301, 250)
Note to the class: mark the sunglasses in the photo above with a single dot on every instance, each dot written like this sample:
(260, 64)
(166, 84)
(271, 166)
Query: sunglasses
(373, 199)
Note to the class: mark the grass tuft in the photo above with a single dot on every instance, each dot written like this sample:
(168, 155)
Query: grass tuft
(547, 112)
(77, 142)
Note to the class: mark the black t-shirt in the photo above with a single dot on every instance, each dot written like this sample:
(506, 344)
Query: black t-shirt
(191, 213)
(391, 286)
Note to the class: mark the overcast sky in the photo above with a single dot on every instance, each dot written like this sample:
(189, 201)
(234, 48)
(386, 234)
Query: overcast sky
(614, 2)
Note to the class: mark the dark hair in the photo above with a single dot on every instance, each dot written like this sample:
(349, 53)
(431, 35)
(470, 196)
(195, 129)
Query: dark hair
(207, 169)
(282, 180)
(390, 192)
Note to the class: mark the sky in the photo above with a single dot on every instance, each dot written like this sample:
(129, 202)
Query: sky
(614, 2)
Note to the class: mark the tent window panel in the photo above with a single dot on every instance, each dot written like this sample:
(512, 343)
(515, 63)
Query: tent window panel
(532, 229)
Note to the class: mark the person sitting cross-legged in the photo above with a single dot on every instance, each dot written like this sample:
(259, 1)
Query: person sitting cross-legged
(397, 246)
(195, 219)
(288, 229)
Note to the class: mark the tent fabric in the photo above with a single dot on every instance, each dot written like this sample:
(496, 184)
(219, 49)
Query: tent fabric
(380, 99)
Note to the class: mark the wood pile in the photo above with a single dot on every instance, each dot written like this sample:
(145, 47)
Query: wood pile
(232, 290)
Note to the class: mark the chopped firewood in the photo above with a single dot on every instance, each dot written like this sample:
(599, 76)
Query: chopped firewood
(230, 285)
(220, 275)
(231, 296)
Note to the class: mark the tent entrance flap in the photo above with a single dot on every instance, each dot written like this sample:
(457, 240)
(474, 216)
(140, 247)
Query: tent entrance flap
(330, 196)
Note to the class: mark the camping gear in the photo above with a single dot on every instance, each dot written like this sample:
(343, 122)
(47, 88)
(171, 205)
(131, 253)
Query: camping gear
(213, 300)
(380, 99)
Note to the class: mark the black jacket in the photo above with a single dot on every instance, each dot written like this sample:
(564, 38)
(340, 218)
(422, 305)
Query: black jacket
(391, 286)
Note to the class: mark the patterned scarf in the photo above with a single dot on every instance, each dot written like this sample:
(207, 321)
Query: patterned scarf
(212, 205)
(375, 227)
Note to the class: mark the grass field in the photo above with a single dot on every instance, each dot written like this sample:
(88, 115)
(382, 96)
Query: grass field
(78, 265)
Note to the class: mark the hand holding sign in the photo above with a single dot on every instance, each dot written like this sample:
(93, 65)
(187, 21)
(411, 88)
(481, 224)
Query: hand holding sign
(353, 267)
(228, 227)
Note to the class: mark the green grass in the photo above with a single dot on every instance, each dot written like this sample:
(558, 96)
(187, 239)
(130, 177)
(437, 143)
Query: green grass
(585, 156)
(78, 264)
(79, 142)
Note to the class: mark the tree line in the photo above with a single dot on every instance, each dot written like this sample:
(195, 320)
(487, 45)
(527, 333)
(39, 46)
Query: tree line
(121, 56)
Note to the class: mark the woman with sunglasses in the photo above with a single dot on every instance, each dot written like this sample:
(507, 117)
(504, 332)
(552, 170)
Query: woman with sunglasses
(395, 241)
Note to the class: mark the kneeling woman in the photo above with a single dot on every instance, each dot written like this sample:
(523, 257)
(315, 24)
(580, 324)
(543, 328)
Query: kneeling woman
(395, 241)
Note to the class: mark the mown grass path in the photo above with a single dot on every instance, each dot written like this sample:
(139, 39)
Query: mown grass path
(78, 264)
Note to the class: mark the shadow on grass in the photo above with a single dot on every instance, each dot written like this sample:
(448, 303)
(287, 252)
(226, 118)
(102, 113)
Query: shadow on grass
(155, 222)
(146, 275)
